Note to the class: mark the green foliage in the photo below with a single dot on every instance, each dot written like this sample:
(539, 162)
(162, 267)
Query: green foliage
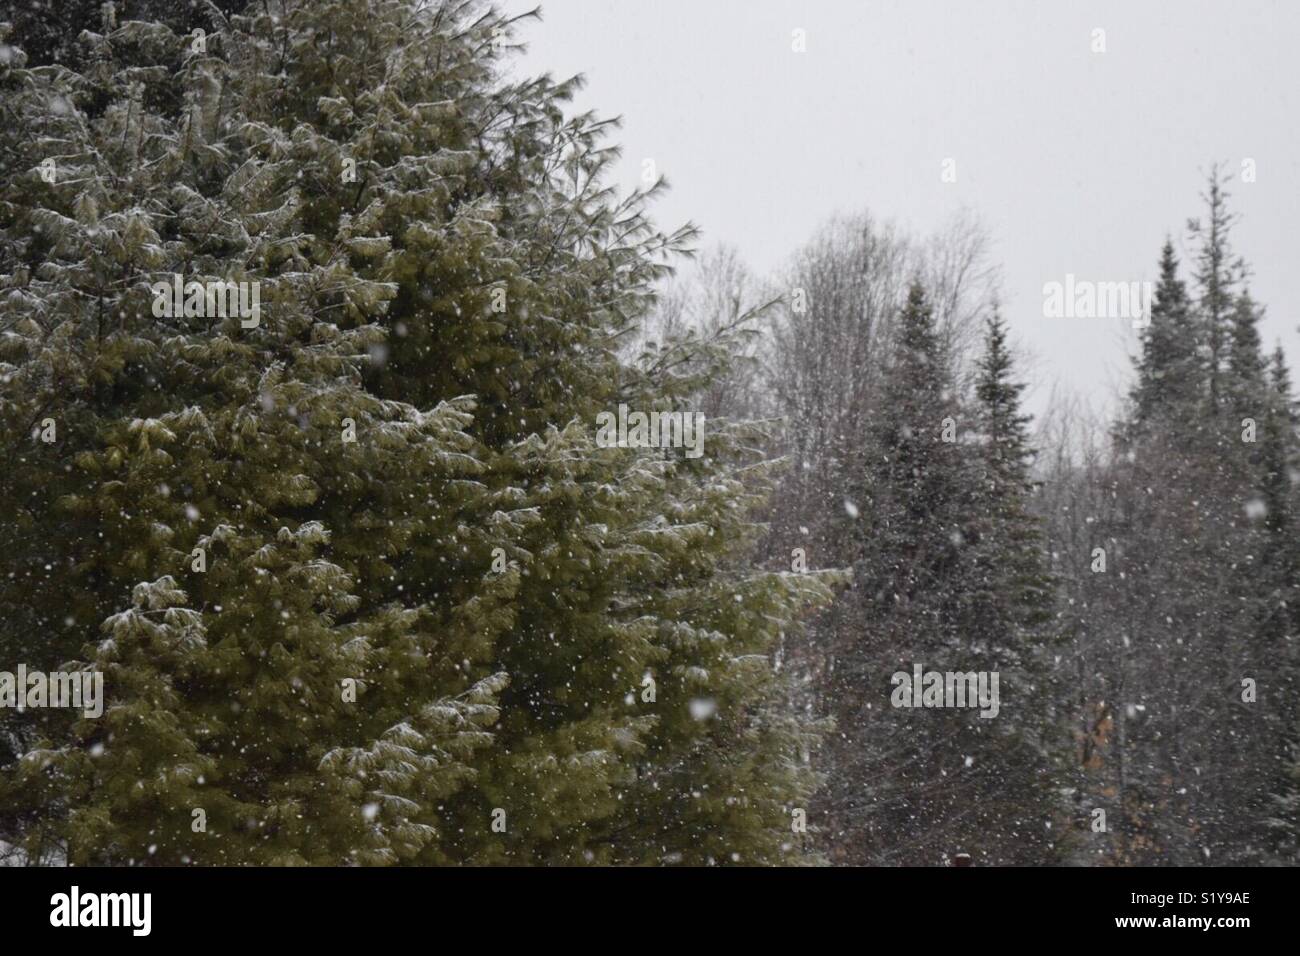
(353, 468)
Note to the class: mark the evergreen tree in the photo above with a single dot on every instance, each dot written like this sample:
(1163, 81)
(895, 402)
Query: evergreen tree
(1008, 611)
(1281, 619)
(1246, 375)
(49, 29)
(1280, 454)
(915, 475)
(1217, 274)
(951, 576)
(1168, 372)
(388, 599)
(1175, 615)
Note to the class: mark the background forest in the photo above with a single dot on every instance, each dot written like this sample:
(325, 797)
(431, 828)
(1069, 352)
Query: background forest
(365, 588)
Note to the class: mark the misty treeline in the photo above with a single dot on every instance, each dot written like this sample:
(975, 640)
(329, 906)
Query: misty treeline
(365, 589)
(1132, 575)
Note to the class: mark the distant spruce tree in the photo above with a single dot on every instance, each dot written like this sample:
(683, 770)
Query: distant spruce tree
(907, 550)
(951, 576)
(1190, 596)
(1247, 376)
(1217, 275)
(1281, 615)
(1169, 376)
(1010, 612)
(1281, 459)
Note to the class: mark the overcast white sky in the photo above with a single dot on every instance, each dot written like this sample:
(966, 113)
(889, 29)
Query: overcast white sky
(1077, 162)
